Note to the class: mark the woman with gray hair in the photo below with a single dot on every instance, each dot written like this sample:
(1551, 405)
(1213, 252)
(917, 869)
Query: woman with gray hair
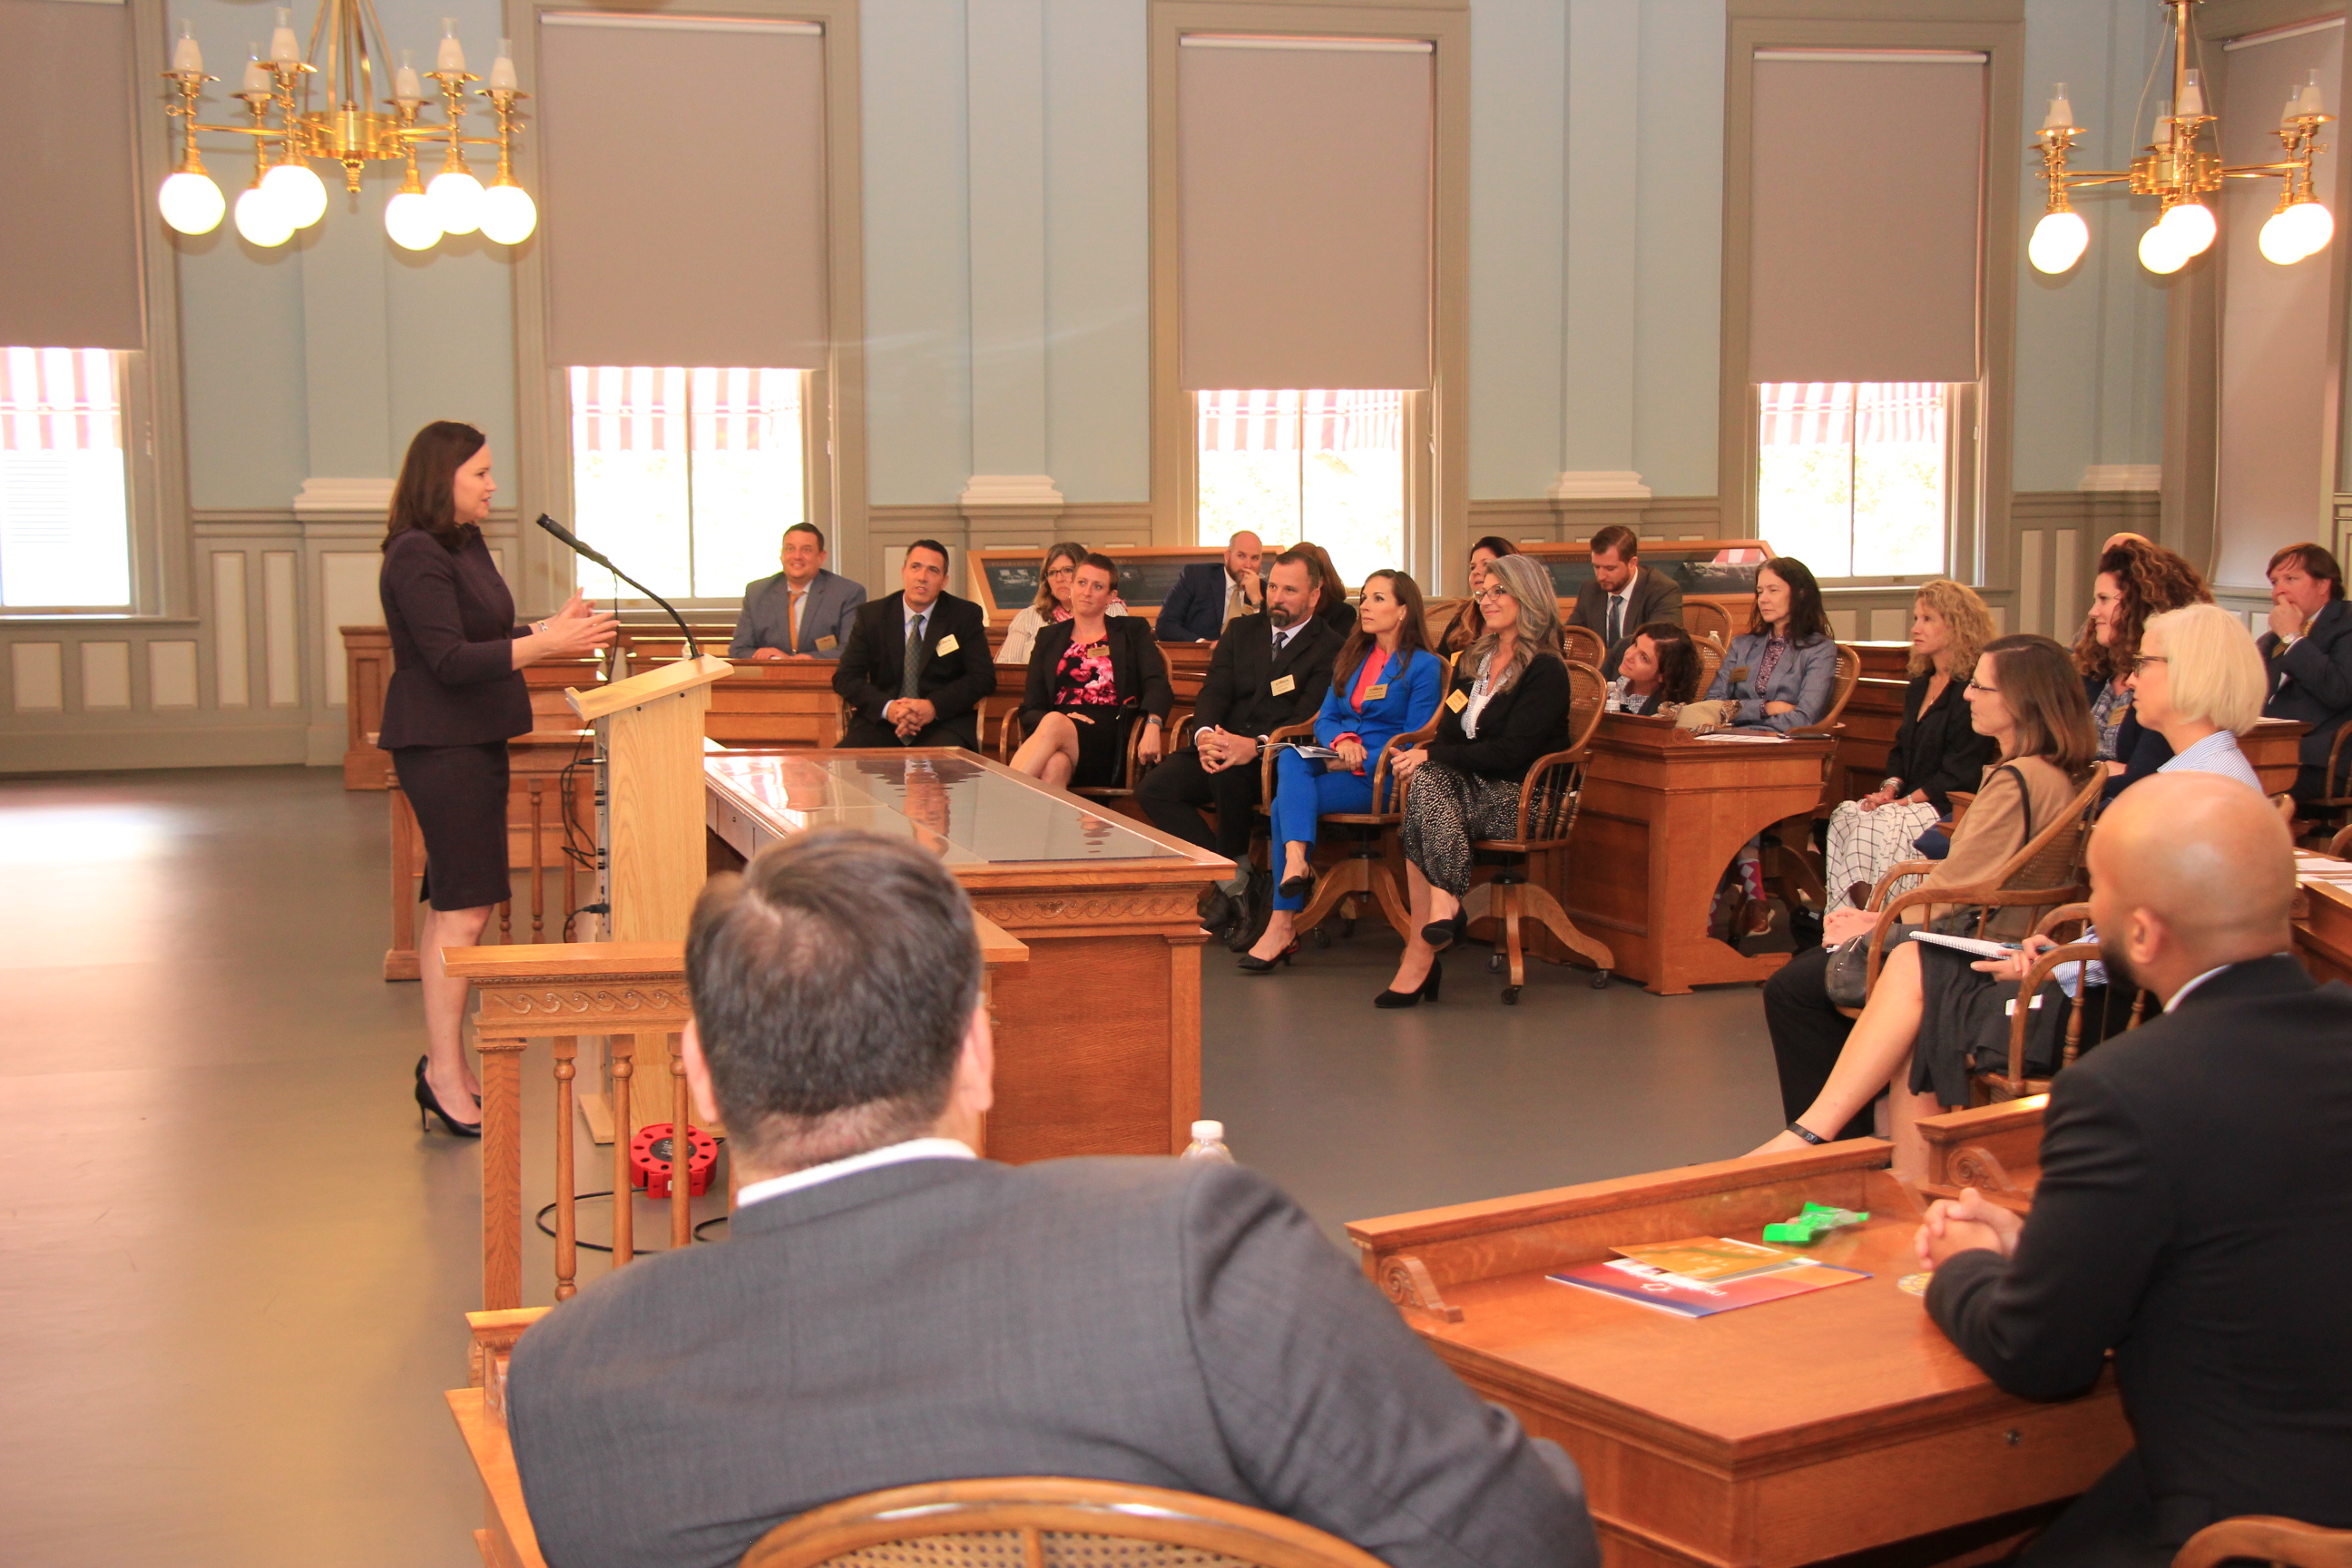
(1508, 706)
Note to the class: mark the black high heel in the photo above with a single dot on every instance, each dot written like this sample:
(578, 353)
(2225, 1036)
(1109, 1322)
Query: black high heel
(1251, 964)
(1301, 885)
(1443, 934)
(428, 1105)
(1428, 992)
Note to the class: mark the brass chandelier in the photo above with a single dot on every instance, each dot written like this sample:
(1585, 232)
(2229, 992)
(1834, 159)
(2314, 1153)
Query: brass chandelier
(353, 129)
(2176, 168)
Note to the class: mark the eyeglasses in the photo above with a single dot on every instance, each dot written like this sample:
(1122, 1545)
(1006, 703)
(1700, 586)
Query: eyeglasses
(1061, 572)
(1488, 595)
(2144, 660)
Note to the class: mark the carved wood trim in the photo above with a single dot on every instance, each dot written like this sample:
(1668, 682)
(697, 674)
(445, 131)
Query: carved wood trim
(1406, 1281)
(1974, 1165)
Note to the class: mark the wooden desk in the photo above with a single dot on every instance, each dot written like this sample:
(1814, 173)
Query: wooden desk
(1662, 816)
(1099, 1032)
(2274, 748)
(786, 702)
(1766, 1437)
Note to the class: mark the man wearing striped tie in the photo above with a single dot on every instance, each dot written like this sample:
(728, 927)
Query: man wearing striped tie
(918, 665)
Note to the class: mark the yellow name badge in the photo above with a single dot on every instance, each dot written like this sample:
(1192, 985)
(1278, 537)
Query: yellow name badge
(826, 645)
(1456, 701)
(1738, 674)
(946, 644)
(1284, 686)
(1376, 693)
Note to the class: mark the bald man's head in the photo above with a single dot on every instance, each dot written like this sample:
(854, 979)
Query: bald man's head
(2188, 872)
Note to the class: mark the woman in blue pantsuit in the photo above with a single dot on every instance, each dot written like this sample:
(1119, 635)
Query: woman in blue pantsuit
(1386, 683)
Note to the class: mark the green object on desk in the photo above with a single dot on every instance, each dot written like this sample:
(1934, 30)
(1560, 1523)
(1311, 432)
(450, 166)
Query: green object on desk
(1808, 1225)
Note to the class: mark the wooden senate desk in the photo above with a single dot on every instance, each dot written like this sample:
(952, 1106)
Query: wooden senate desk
(1098, 1033)
(1765, 1437)
(1662, 816)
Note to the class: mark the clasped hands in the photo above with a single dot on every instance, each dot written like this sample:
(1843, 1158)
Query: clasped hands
(908, 715)
(1222, 749)
(1967, 1224)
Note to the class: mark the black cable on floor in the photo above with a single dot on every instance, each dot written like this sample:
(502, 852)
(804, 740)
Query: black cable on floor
(548, 1230)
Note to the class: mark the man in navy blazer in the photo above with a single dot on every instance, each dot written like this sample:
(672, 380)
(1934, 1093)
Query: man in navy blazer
(1208, 595)
(802, 612)
(2309, 651)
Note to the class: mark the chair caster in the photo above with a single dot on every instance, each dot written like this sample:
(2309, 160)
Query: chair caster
(1322, 937)
(1511, 995)
(1495, 961)
(1601, 980)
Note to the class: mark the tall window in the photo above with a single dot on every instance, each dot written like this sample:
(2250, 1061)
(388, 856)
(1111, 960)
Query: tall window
(686, 477)
(65, 515)
(1850, 475)
(1289, 465)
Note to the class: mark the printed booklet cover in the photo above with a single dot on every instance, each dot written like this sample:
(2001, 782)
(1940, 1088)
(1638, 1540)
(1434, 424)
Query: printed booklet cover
(1633, 1280)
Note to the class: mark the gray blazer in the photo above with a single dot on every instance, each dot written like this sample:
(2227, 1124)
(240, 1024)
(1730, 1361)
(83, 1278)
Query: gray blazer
(1806, 675)
(1657, 597)
(833, 602)
(1155, 1321)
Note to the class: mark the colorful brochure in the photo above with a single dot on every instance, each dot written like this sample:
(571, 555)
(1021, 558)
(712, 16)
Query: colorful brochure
(1687, 1298)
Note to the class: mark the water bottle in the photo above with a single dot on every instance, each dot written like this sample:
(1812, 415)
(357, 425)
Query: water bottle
(1208, 1143)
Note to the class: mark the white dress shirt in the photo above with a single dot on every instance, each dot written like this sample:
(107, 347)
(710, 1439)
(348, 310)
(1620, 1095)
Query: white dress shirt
(872, 1160)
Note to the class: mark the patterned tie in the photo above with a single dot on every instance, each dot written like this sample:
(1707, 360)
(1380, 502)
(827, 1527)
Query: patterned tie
(1616, 618)
(914, 664)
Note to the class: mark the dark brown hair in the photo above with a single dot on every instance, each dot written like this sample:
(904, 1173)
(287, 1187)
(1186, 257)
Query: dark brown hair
(808, 528)
(1494, 543)
(2152, 580)
(2313, 561)
(1101, 562)
(1807, 620)
(1319, 571)
(1412, 636)
(423, 497)
(1619, 538)
(934, 546)
(2032, 674)
(1070, 551)
(1678, 665)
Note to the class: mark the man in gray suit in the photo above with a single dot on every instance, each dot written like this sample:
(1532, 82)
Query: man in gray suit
(1623, 593)
(891, 1310)
(802, 612)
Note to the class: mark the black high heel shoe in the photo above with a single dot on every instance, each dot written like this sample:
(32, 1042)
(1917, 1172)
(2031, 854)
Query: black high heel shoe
(428, 1105)
(1443, 934)
(1428, 992)
(1301, 885)
(1251, 964)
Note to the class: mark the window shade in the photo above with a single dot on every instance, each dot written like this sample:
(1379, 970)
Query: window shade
(1305, 179)
(1868, 184)
(68, 177)
(683, 161)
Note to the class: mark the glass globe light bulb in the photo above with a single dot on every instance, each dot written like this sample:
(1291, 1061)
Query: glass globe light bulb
(456, 198)
(2059, 241)
(191, 202)
(2160, 251)
(2192, 225)
(262, 219)
(298, 191)
(408, 218)
(2312, 226)
(2279, 242)
(509, 214)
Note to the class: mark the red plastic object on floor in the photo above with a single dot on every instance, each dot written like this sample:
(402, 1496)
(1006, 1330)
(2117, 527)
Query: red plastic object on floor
(650, 1159)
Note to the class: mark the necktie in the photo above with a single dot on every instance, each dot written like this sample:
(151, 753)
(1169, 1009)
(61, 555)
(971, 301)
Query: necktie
(1616, 618)
(1234, 604)
(792, 623)
(914, 664)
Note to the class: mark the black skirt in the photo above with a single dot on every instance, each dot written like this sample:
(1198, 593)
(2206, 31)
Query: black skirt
(1964, 1023)
(459, 795)
(1102, 746)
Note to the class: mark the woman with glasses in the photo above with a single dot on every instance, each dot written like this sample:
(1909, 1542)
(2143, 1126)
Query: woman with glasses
(1507, 706)
(1467, 624)
(1052, 604)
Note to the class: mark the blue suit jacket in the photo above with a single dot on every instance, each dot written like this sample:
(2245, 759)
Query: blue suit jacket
(1806, 675)
(1414, 682)
(1194, 610)
(833, 605)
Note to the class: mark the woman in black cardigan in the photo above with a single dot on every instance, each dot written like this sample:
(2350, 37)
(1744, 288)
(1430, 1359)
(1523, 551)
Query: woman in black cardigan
(1508, 707)
(456, 695)
(1089, 678)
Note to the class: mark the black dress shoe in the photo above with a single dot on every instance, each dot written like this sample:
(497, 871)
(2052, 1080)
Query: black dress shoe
(1251, 964)
(1443, 934)
(1428, 992)
(428, 1105)
(1298, 886)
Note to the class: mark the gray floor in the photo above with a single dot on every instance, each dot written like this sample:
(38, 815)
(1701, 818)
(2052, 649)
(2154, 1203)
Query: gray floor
(232, 1272)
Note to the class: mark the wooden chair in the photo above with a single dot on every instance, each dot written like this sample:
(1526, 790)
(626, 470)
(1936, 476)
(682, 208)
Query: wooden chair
(1548, 802)
(2260, 1538)
(1710, 659)
(1582, 643)
(1797, 868)
(1993, 1087)
(1705, 621)
(1364, 872)
(1132, 771)
(1046, 1521)
(2335, 799)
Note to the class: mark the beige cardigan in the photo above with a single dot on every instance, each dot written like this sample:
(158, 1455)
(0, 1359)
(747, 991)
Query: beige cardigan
(1995, 828)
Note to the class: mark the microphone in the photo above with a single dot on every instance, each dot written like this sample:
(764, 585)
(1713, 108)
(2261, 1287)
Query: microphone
(573, 541)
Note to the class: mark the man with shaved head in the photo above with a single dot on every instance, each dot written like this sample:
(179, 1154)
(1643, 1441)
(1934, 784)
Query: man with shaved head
(2195, 1209)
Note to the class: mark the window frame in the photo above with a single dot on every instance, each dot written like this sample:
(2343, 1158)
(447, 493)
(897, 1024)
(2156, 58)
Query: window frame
(1963, 443)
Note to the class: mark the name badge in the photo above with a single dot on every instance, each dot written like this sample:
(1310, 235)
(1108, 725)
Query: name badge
(1456, 701)
(1738, 674)
(1376, 693)
(946, 644)
(827, 644)
(1284, 686)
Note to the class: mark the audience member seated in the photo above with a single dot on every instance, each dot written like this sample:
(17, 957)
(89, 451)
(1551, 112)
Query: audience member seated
(1658, 673)
(2025, 696)
(1623, 593)
(1089, 678)
(1507, 706)
(2200, 685)
(916, 665)
(1385, 683)
(1211, 594)
(2308, 650)
(802, 612)
(2136, 580)
(2191, 1216)
(888, 1308)
(1337, 612)
(1055, 574)
(1467, 622)
(1271, 667)
(1937, 749)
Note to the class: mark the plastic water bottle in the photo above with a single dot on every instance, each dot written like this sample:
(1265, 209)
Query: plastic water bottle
(1208, 1143)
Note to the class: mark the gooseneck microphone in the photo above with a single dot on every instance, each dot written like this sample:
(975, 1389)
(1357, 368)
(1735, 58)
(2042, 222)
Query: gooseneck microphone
(693, 648)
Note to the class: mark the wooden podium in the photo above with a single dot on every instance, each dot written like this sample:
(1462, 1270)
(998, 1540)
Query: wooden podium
(649, 833)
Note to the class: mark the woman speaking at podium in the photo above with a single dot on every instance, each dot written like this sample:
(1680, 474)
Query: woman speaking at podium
(457, 696)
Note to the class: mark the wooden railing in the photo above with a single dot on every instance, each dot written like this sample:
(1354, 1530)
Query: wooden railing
(547, 883)
(633, 996)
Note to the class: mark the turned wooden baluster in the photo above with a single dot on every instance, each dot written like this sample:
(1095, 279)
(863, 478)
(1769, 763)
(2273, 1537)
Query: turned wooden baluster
(622, 1049)
(681, 1148)
(537, 871)
(567, 1236)
(506, 915)
(501, 1174)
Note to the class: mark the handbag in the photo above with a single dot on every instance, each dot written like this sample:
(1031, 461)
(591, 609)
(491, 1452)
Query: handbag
(1847, 978)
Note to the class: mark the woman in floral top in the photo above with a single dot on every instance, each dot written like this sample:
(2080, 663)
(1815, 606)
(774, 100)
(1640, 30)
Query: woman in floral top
(1091, 678)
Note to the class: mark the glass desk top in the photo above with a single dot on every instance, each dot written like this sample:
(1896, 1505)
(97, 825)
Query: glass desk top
(970, 814)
